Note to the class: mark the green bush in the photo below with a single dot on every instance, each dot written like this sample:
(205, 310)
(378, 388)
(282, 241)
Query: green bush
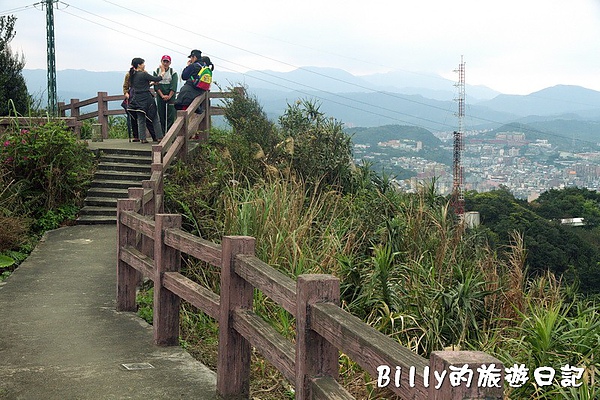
(49, 165)
(319, 149)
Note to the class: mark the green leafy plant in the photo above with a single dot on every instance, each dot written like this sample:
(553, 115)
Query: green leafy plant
(6, 261)
(51, 166)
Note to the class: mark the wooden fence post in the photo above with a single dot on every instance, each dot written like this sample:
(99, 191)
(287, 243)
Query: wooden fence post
(128, 277)
(183, 115)
(472, 375)
(157, 153)
(145, 242)
(166, 304)
(204, 127)
(233, 363)
(315, 356)
(74, 111)
(102, 109)
(159, 189)
(61, 109)
(150, 207)
(183, 151)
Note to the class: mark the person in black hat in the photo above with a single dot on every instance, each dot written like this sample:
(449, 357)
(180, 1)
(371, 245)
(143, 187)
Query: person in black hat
(189, 91)
(195, 53)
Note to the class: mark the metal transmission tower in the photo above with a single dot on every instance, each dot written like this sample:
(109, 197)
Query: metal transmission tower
(52, 99)
(458, 199)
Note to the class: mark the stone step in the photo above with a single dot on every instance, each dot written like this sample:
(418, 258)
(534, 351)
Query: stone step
(127, 158)
(96, 220)
(100, 202)
(127, 152)
(94, 210)
(117, 193)
(112, 175)
(118, 170)
(115, 184)
(124, 167)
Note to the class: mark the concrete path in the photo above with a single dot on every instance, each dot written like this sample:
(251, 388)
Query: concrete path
(61, 338)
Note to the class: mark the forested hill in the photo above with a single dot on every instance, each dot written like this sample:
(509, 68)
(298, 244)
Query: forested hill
(385, 133)
(432, 148)
(562, 133)
(568, 251)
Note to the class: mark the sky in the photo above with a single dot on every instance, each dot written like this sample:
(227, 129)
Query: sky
(512, 46)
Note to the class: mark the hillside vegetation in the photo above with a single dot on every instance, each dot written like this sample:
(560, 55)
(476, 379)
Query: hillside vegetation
(44, 174)
(406, 264)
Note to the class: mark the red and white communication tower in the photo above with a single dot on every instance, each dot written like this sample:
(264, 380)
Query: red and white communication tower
(458, 199)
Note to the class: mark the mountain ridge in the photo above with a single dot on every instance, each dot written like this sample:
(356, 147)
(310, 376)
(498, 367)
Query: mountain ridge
(423, 100)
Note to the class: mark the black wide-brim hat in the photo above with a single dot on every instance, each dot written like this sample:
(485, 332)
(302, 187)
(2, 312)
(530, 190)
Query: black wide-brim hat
(195, 53)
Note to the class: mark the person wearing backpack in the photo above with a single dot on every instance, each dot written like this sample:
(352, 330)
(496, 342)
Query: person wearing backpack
(198, 77)
(165, 93)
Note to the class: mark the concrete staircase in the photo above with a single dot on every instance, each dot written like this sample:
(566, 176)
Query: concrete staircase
(117, 171)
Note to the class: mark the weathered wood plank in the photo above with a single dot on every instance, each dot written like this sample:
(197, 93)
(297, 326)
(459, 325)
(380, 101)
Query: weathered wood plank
(139, 223)
(166, 304)
(194, 123)
(369, 348)
(192, 292)
(115, 97)
(172, 133)
(93, 114)
(115, 112)
(191, 110)
(270, 344)
(327, 388)
(194, 246)
(138, 260)
(315, 356)
(127, 277)
(233, 363)
(442, 360)
(172, 152)
(271, 282)
(83, 103)
(147, 196)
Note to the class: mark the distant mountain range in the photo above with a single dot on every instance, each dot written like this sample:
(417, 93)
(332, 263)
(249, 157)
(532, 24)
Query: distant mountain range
(422, 100)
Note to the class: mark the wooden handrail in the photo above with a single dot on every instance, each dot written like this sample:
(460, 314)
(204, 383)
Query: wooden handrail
(103, 110)
(151, 243)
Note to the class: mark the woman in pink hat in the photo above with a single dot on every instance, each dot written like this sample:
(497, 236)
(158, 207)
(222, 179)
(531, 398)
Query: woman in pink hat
(165, 92)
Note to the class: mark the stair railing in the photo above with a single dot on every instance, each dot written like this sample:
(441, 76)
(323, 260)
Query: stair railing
(151, 244)
(103, 111)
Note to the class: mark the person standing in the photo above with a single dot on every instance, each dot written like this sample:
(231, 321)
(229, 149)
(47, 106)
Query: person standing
(131, 119)
(142, 102)
(165, 93)
(189, 91)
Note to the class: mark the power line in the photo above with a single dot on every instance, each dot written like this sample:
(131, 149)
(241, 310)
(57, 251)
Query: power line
(300, 84)
(279, 61)
(388, 94)
(16, 10)
(288, 80)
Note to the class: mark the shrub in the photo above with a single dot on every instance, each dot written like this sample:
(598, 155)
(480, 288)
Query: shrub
(318, 147)
(51, 167)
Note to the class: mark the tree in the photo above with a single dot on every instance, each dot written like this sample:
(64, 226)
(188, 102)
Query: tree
(320, 149)
(12, 82)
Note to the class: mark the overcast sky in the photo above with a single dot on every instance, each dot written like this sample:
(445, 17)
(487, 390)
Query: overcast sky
(512, 46)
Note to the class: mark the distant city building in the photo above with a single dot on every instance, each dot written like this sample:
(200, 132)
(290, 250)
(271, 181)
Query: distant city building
(572, 221)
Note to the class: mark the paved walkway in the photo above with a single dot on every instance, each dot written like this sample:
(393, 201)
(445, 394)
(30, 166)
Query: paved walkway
(61, 338)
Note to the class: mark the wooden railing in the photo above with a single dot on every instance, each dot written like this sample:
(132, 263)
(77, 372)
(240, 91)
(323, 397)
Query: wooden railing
(151, 243)
(102, 111)
(28, 122)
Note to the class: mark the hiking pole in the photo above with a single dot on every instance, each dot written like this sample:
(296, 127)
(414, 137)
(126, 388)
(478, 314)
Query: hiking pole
(166, 116)
(128, 125)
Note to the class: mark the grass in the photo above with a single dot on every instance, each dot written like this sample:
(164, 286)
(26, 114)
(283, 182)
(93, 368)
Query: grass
(407, 267)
